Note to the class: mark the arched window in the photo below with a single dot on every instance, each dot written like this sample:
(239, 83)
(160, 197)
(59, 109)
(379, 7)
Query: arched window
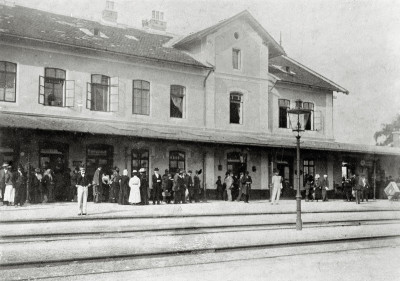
(310, 122)
(236, 108)
(8, 78)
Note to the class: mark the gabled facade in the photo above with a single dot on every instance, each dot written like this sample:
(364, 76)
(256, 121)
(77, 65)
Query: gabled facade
(80, 92)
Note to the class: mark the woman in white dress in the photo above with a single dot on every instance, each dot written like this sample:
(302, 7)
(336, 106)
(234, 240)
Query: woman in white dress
(276, 187)
(134, 184)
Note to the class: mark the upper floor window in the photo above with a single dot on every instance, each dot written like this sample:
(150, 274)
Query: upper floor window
(236, 58)
(236, 112)
(284, 105)
(54, 89)
(141, 97)
(8, 77)
(177, 101)
(310, 122)
(102, 93)
(176, 161)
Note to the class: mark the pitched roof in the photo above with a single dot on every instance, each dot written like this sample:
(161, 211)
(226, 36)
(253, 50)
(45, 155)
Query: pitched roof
(290, 71)
(18, 21)
(274, 48)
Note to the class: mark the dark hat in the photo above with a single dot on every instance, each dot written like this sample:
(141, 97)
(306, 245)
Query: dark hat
(199, 171)
(156, 169)
(190, 171)
(116, 169)
(166, 171)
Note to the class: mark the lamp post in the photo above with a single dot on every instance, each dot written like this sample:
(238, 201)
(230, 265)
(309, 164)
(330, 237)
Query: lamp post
(298, 118)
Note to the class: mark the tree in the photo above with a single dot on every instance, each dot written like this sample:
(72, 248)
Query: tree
(384, 136)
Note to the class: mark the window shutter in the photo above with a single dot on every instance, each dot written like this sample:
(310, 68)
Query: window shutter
(114, 94)
(88, 95)
(318, 121)
(69, 93)
(41, 90)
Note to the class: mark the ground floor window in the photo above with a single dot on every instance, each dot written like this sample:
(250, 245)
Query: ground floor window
(99, 155)
(177, 161)
(308, 167)
(236, 162)
(140, 159)
(53, 156)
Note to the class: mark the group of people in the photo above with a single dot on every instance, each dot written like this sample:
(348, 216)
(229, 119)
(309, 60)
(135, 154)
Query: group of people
(135, 190)
(234, 188)
(13, 185)
(356, 186)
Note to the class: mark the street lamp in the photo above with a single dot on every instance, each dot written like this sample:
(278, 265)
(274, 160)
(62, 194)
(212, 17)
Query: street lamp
(298, 118)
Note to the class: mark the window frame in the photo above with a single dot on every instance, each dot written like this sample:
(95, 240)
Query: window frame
(5, 81)
(139, 152)
(142, 91)
(240, 102)
(183, 96)
(307, 166)
(92, 98)
(53, 83)
(238, 53)
(283, 103)
(310, 124)
(174, 153)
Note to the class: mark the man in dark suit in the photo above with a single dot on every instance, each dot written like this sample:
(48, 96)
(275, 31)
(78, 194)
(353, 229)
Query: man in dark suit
(144, 187)
(355, 182)
(156, 180)
(82, 185)
(97, 185)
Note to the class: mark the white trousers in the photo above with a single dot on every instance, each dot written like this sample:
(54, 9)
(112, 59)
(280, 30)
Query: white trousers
(229, 193)
(276, 194)
(9, 194)
(82, 198)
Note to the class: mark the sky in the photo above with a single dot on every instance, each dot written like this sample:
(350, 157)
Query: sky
(355, 43)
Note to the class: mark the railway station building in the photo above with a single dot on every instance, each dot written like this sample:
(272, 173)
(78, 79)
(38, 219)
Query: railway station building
(75, 91)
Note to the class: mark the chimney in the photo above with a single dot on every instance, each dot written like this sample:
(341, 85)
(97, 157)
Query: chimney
(156, 22)
(396, 139)
(109, 14)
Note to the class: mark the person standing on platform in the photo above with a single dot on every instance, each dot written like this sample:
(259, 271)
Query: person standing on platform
(20, 187)
(247, 187)
(134, 184)
(114, 188)
(365, 188)
(82, 185)
(164, 185)
(144, 187)
(179, 188)
(48, 183)
(220, 189)
(325, 188)
(124, 190)
(276, 183)
(317, 188)
(308, 186)
(229, 185)
(157, 184)
(97, 185)
(357, 185)
(37, 196)
(9, 192)
(2, 181)
(196, 185)
(189, 186)
(241, 184)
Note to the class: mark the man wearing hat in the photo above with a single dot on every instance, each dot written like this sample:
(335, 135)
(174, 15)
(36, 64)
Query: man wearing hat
(165, 183)
(82, 185)
(144, 187)
(156, 180)
(179, 188)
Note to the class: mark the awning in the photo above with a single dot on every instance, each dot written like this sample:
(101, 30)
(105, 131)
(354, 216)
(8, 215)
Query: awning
(119, 128)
